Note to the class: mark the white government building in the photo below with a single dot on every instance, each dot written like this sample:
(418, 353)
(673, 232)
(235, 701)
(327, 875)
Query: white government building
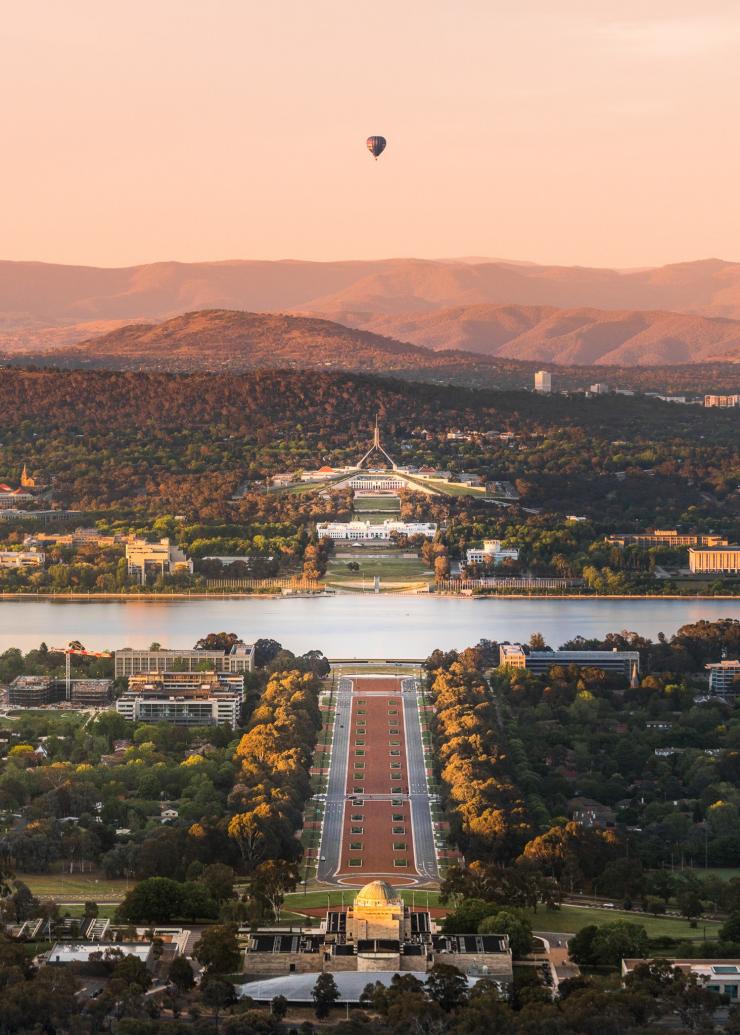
(366, 530)
(491, 552)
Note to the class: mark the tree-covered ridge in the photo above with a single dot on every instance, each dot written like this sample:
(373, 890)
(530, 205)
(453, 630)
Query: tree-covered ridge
(192, 456)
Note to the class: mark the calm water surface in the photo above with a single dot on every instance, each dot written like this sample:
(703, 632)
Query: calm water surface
(344, 626)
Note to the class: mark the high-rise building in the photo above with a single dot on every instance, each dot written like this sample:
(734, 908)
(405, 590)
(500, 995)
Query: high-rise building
(543, 381)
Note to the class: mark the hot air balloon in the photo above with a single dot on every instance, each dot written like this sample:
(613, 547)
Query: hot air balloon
(376, 146)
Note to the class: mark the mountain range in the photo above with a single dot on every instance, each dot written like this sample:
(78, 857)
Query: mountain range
(686, 312)
(229, 340)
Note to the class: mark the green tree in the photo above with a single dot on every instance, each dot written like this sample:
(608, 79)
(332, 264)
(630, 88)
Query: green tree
(218, 949)
(325, 994)
(218, 994)
(181, 974)
(514, 923)
(447, 986)
(132, 971)
(154, 900)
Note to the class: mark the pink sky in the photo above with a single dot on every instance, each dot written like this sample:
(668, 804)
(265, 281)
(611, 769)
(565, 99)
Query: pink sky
(595, 132)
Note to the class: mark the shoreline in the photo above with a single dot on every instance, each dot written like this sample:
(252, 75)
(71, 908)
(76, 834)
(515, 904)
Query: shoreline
(163, 597)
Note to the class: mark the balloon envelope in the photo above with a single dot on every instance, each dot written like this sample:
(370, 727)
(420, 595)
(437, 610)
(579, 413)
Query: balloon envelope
(376, 146)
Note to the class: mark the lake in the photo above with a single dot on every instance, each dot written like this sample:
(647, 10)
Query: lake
(375, 626)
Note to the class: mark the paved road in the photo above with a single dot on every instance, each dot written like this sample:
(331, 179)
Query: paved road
(421, 816)
(331, 839)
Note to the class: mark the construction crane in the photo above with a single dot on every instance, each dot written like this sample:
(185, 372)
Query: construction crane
(75, 647)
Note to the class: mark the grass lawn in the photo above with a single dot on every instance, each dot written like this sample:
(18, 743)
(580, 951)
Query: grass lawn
(570, 920)
(75, 887)
(387, 565)
(725, 872)
(334, 897)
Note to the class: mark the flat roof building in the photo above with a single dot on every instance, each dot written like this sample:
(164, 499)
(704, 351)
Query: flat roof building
(492, 552)
(22, 558)
(714, 560)
(37, 691)
(724, 677)
(366, 530)
(722, 401)
(716, 975)
(624, 662)
(164, 558)
(183, 698)
(542, 381)
(665, 537)
(236, 659)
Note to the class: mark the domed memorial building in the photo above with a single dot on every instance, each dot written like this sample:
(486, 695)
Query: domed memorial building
(374, 938)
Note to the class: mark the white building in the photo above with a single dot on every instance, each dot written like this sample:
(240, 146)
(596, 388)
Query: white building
(378, 480)
(366, 530)
(722, 975)
(492, 552)
(543, 381)
(600, 388)
(724, 677)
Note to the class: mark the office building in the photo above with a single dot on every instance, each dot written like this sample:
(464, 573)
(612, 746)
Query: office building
(665, 537)
(543, 381)
(492, 552)
(724, 677)
(162, 558)
(623, 662)
(714, 560)
(600, 388)
(236, 659)
(183, 698)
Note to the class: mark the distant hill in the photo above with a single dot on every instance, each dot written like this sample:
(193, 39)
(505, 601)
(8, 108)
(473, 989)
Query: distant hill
(43, 305)
(228, 340)
(566, 336)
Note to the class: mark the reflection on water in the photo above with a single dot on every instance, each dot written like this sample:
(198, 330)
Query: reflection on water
(344, 626)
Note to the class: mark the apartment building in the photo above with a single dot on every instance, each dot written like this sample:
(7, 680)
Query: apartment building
(236, 660)
(724, 677)
(714, 560)
(623, 662)
(183, 698)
